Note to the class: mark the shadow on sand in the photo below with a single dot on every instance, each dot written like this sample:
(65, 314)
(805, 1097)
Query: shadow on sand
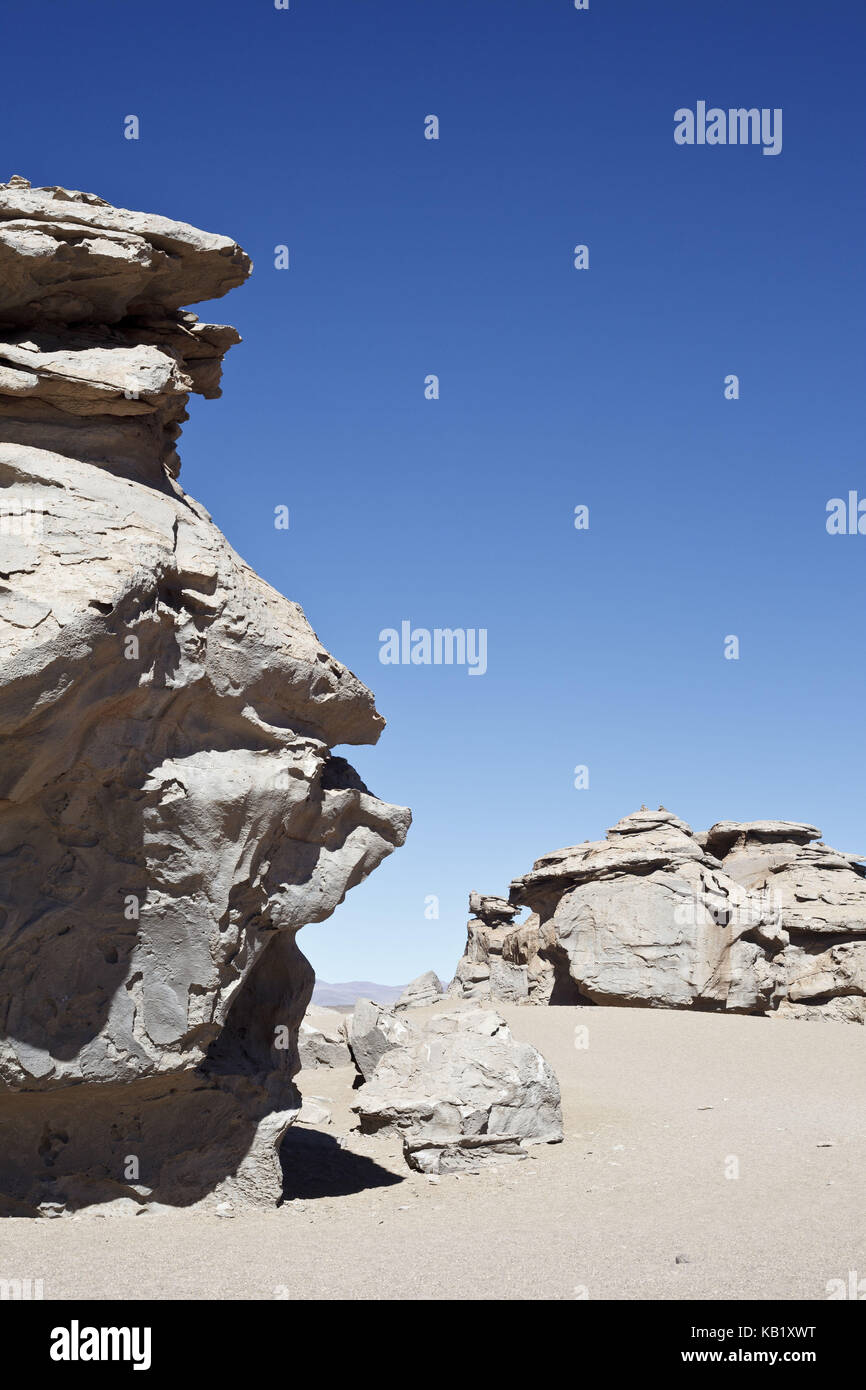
(314, 1166)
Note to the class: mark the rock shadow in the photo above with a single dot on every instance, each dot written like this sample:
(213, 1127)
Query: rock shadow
(314, 1166)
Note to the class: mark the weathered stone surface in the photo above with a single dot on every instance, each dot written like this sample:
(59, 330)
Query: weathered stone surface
(493, 911)
(322, 1040)
(820, 975)
(459, 1090)
(313, 1112)
(70, 257)
(372, 1030)
(744, 917)
(426, 989)
(816, 890)
(849, 1008)
(171, 811)
(514, 963)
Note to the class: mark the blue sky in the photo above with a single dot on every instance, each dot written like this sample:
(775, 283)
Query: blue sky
(558, 387)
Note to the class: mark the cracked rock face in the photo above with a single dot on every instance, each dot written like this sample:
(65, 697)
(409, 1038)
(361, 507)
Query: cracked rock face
(171, 810)
(747, 917)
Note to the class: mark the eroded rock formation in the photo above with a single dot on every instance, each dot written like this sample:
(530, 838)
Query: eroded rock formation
(171, 811)
(758, 917)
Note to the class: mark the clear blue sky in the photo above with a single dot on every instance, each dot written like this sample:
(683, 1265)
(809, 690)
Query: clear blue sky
(558, 387)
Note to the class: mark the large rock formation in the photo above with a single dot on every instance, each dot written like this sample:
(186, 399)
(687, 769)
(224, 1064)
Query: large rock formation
(759, 917)
(171, 811)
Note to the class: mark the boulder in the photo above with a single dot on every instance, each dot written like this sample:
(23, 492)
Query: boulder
(460, 1091)
(372, 1030)
(426, 989)
(322, 1039)
(69, 257)
(494, 912)
(815, 890)
(313, 1112)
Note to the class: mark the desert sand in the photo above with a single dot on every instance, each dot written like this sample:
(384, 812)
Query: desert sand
(634, 1204)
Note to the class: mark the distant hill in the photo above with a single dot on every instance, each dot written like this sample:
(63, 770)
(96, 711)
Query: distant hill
(347, 993)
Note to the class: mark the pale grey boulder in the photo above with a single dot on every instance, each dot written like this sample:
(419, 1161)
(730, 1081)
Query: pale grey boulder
(842, 1008)
(656, 940)
(508, 982)
(471, 978)
(171, 808)
(461, 1091)
(322, 1040)
(313, 1112)
(425, 989)
(645, 917)
(726, 835)
(372, 1030)
(657, 916)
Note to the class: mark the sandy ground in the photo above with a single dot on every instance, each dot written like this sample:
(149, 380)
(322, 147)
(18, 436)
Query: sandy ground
(658, 1108)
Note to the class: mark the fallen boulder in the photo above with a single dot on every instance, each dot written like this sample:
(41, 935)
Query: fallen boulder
(372, 1030)
(459, 1090)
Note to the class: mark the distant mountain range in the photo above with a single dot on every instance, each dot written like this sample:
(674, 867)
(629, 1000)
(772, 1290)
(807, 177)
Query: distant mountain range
(348, 993)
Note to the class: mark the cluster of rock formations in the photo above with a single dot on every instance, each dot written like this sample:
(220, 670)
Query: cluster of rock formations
(171, 811)
(755, 917)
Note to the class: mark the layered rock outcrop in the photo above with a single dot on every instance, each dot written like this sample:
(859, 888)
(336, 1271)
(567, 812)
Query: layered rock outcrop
(756, 917)
(171, 810)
